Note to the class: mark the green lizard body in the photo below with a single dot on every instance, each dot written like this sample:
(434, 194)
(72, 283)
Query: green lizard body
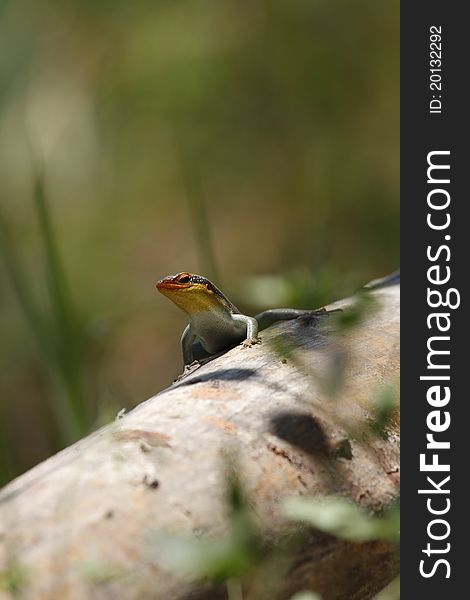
(215, 324)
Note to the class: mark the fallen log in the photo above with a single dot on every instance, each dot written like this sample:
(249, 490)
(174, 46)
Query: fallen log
(103, 501)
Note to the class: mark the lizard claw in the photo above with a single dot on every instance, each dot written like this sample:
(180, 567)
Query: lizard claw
(248, 343)
(191, 367)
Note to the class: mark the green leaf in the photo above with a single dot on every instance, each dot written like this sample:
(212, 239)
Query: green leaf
(13, 580)
(343, 519)
(385, 405)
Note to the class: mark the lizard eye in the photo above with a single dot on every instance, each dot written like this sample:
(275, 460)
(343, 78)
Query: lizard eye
(184, 279)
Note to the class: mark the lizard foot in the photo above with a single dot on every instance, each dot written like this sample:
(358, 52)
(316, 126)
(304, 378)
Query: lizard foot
(188, 369)
(248, 343)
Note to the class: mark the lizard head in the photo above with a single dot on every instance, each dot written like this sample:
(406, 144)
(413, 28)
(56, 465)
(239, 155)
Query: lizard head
(193, 293)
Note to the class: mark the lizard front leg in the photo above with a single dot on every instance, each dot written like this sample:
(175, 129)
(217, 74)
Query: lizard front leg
(251, 329)
(187, 341)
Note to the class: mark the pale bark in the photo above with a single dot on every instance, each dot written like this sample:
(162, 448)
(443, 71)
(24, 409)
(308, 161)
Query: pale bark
(100, 503)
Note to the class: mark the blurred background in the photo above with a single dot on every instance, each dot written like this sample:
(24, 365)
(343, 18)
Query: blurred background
(256, 143)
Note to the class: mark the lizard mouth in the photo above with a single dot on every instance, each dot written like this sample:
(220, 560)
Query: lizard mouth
(171, 286)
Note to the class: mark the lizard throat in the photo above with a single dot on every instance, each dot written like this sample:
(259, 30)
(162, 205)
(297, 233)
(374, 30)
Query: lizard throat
(193, 302)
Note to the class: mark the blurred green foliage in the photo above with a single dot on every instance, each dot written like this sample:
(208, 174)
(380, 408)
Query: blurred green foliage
(253, 142)
(345, 520)
(298, 287)
(13, 580)
(240, 559)
(229, 558)
(386, 407)
(248, 565)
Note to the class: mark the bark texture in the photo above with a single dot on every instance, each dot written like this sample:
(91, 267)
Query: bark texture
(96, 507)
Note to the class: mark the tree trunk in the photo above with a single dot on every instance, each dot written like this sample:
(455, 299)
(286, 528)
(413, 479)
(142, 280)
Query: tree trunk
(96, 508)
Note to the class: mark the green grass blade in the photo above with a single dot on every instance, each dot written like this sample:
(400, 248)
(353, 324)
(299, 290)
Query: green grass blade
(22, 287)
(67, 331)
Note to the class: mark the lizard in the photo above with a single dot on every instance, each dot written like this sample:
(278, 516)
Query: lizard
(215, 323)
